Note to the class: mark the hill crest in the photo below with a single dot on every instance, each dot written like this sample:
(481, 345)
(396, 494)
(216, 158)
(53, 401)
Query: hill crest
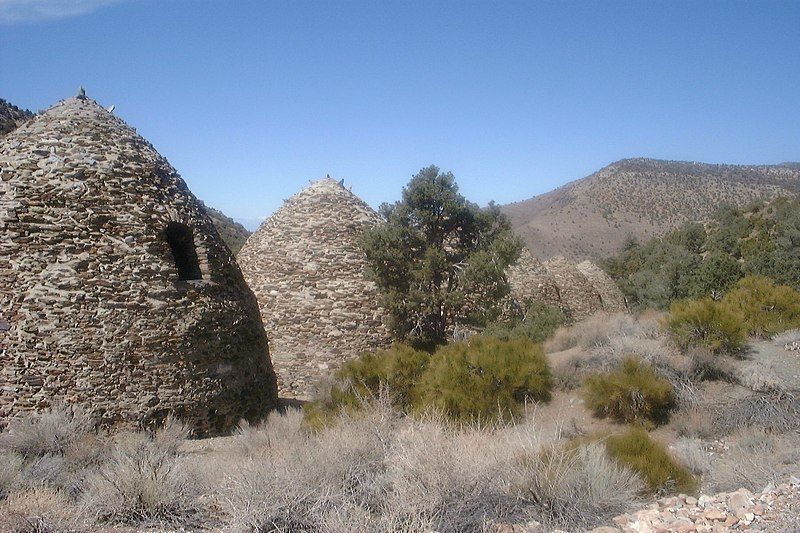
(590, 218)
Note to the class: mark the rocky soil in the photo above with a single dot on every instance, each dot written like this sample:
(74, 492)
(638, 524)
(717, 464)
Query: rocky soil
(774, 509)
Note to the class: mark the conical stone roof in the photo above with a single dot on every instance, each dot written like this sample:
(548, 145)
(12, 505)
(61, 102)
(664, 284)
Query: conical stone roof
(308, 271)
(530, 280)
(610, 295)
(575, 291)
(116, 291)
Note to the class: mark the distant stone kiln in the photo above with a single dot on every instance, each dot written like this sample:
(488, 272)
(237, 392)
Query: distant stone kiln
(580, 290)
(610, 295)
(116, 291)
(308, 271)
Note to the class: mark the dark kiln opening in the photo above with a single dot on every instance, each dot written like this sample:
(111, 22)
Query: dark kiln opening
(181, 241)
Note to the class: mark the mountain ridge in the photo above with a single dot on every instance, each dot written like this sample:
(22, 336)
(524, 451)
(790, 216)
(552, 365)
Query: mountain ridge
(591, 217)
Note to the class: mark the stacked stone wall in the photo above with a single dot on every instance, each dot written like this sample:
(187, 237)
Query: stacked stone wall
(309, 273)
(92, 307)
(530, 280)
(612, 298)
(576, 292)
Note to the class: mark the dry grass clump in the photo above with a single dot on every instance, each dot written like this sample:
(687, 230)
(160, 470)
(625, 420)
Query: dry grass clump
(754, 460)
(144, 481)
(695, 422)
(775, 411)
(10, 469)
(633, 394)
(335, 477)
(787, 339)
(600, 330)
(692, 454)
(577, 487)
(446, 479)
(40, 510)
(48, 433)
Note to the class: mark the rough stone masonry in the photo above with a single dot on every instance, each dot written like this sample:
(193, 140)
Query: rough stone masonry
(116, 292)
(309, 273)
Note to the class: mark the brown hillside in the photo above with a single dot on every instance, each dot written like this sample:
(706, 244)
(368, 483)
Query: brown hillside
(233, 233)
(11, 117)
(590, 218)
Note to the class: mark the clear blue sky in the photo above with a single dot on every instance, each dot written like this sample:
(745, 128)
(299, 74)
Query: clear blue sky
(251, 99)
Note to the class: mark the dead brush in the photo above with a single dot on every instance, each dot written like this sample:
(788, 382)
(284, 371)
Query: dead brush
(145, 482)
(754, 460)
(41, 510)
(777, 411)
(576, 488)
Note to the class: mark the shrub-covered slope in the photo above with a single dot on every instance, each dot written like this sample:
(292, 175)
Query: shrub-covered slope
(592, 217)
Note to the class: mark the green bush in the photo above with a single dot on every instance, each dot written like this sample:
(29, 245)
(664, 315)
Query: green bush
(485, 379)
(396, 370)
(635, 393)
(636, 450)
(537, 323)
(707, 323)
(767, 308)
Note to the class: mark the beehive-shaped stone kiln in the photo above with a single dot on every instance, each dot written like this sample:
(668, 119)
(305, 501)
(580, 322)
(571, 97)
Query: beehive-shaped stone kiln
(611, 297)
(530, 280)
(308, 271)
(577, 294)
(116, 291)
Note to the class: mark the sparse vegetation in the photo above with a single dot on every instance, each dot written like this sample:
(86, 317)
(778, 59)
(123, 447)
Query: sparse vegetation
(633, 394)
(696, 261)
(707, 323)
(638, 451)
(537, 322)
(485, 379)
(767, 308)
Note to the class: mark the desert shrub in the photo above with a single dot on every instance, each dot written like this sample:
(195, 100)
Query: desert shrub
(755, 459)
(576, 488)
(638, 451)
(538, 323)
(10, 468)
(695, 422)
(775, 411)
(634, 393)
(278, 430)
(336, 477)
(144, 481)
(708, 324)
(708, 366)
(395, 372)
(47, 433)
(446, 479)
(398, 369)
(692, 453)
(485, 379)
(40, 510)
(767, 308)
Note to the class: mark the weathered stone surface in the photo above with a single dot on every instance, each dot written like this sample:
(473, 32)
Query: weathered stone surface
(577, 294)
(102, 308)
(308, 271)
(530, 280)
(610, 296)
